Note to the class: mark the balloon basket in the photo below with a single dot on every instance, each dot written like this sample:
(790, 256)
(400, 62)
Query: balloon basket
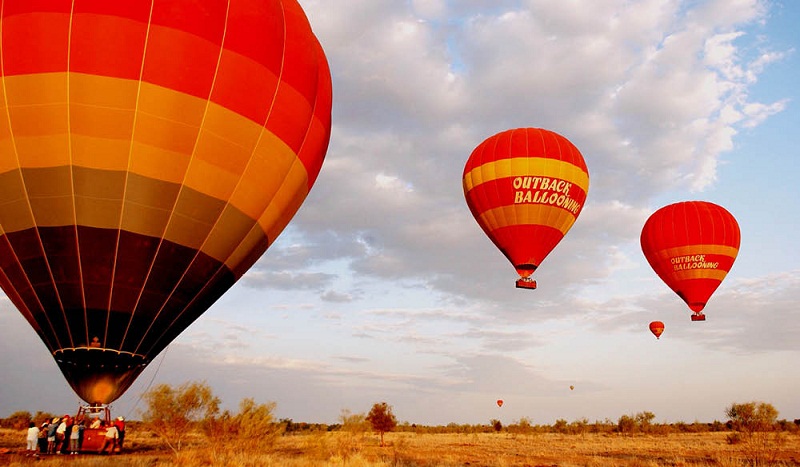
(96, 419)
(525, 283)
(699, 317)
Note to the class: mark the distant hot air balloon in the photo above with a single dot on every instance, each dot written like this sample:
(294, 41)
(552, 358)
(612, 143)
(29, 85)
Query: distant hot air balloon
(499, 402)
(150, 152)
(657, 328)
(691, 246)
(526, 187)
(571, 388)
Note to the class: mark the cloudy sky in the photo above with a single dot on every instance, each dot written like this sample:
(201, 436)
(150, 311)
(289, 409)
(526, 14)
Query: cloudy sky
(384, 288)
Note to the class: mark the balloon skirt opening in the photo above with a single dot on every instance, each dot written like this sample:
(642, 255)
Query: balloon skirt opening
(99, 376)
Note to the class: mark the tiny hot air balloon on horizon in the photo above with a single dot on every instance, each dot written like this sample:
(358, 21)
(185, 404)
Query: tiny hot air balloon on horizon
(499, 402)
(691, 246)
(150, 153)
(526, 187)
(657, 328)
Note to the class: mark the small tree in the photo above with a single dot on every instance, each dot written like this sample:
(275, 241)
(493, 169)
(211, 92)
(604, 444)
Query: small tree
(751, 417)
(253, 427)
(626, 424)
(523, 426)
(561, 426)
(353, 422)
(756, 421)
(382, 419)
(171, 412)
(644, 420)
(496, 424)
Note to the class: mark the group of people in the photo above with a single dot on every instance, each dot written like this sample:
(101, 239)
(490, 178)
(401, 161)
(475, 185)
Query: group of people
(64, 435)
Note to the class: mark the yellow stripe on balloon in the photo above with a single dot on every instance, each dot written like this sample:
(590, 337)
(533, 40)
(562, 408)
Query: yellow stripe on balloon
(102, 91)
(164, 138)
(700, 249)
(286, 201)
(271, 161)
(35, 89)
(716, 274)
(530, 214)
(526, 166)
(276, 216)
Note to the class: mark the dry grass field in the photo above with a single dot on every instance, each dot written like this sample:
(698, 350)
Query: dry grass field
(443, 450)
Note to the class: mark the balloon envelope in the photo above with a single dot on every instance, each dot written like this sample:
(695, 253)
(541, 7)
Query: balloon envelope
(499, 402)
(657, 328)
(149, 154)
(691, 246)
(526, 187)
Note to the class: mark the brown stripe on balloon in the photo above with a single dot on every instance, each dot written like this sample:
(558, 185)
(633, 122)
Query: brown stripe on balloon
(29, 274)
(152, 207)
(18, 290)
(137, 295)
(195, 294)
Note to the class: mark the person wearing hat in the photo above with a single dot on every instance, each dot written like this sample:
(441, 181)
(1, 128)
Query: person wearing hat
(110, 440)
(120, 424)
(62, 435)
(43, 436)
(75, 437)
(51, 435)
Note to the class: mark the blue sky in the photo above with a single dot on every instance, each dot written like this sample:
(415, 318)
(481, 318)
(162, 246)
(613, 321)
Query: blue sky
(383, 288)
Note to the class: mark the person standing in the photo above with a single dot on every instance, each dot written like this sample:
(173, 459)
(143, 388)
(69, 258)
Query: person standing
(120, 424)
(43, 437)
(75, 438)
(51, 435)
(62, 435)
(110, 440)
(32, 440)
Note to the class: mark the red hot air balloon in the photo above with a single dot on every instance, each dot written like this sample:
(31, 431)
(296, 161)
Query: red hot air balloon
(526, 187)
(499, 402)
(657, 328)
(691, 246)
(150, 152)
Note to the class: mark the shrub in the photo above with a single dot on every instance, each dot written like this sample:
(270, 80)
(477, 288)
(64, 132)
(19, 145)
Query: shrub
(172, 412)
(754, 425)
(17, 420)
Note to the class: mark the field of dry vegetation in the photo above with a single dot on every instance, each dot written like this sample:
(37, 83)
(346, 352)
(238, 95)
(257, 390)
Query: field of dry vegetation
(342, 448)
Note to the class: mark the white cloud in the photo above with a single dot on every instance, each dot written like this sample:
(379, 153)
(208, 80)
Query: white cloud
(384, 265)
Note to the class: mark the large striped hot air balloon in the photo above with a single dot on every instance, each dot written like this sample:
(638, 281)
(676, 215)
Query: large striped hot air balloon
(150, 152)
(526, 187)
(691, 246)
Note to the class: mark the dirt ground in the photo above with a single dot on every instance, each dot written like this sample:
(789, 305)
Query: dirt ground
(444, 450)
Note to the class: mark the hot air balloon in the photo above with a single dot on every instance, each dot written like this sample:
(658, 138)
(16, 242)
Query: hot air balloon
(691, 246)
(571, 388)
(526, 187)
(657, 328)
(499, 402)
(150, 152)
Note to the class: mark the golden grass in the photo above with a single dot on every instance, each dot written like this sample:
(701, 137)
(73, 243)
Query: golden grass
(439, 450)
